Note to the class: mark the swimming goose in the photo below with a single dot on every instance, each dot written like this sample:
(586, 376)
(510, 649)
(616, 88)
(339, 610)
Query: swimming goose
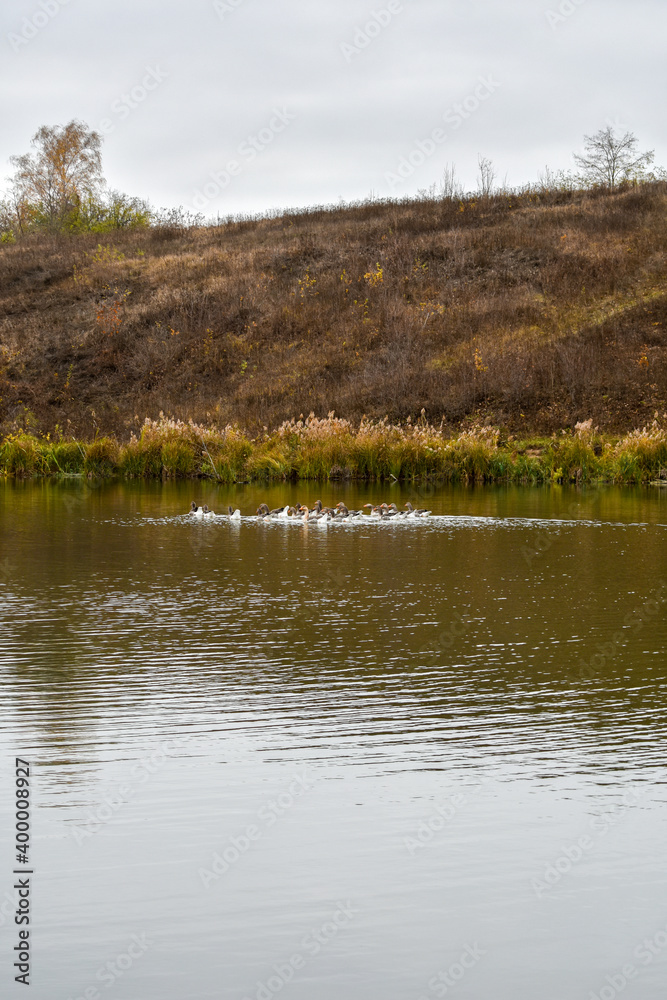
(207, 512)
(375, 510)
(311, 516)
(393, 509)
(342, 509)
(319, 509)
(390, 511)
(420, 512)
(263, 513)
(197, 511)
(235, 515)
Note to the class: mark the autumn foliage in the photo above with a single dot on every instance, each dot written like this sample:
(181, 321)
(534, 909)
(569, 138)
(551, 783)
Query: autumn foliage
(530, 311)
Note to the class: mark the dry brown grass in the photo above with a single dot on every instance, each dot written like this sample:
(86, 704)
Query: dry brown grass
(533, 311)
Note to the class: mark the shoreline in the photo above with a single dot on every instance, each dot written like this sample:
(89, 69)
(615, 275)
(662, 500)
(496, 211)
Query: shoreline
(332, 449)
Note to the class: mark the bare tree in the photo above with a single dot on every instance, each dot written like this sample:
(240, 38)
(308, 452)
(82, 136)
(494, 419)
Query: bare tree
(610, 159)
(449, 185)
(65, 168)
(487, 175)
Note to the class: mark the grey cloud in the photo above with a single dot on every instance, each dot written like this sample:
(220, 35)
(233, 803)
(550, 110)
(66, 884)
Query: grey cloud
(356, 114)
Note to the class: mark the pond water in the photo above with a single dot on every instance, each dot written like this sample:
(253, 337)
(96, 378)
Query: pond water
(403, 761)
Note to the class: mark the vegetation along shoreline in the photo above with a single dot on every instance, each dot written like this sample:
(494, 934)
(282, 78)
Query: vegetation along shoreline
(335, 449)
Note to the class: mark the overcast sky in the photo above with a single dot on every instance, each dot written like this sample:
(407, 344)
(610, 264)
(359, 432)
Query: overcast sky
(248, 105)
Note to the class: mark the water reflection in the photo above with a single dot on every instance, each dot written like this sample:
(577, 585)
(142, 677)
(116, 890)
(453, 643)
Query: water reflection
(488, 685)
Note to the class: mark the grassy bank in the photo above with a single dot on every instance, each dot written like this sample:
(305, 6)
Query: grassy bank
(333, 448)
(533, 310)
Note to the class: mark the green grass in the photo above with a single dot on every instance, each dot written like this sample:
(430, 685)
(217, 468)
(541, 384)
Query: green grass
(178, 459)
(322, 449)
(20, 455)
(68, 457)
(102, 457)
(140, 460)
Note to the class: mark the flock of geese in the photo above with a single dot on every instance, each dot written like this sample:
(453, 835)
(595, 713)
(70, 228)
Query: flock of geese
(201, 512)
(318, 514)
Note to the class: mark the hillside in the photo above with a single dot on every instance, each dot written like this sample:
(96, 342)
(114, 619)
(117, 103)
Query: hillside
(531, 312)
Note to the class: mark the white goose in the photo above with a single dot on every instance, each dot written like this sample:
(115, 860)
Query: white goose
(235, 515)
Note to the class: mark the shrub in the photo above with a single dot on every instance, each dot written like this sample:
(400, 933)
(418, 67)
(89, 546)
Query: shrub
(101, 457)
(321, 449)
(574, 457)
(475, 450)
(141, 459)
(642, 454)
(19, 455)
(68, 457)
(270, 461)
(178, 458)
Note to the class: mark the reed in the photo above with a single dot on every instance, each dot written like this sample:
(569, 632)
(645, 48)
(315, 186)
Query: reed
(178, 459)
(577, 457)
(20, 455)
(67, 457)
(331, 448)
(642, 455)
(647, 448)
(141, 460)
(102, 457)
